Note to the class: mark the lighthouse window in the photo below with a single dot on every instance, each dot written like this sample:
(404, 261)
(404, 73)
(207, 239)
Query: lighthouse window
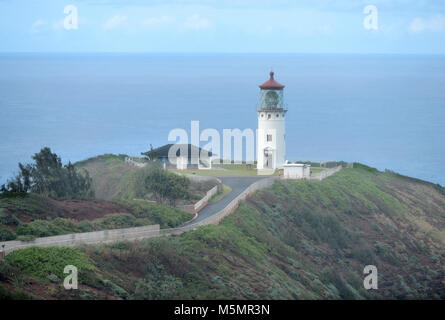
(269, 138)
(271, 99)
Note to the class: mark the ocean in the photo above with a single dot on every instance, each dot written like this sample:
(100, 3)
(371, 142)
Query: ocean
(386, 111)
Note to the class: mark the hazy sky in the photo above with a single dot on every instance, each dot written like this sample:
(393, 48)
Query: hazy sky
(302, 26)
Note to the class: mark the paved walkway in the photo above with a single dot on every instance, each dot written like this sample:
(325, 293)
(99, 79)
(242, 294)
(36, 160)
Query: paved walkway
(238, 185)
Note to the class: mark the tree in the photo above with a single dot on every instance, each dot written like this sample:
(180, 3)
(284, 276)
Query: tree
(21, 183)
(49, 177)
(151, 155)
(167, 186)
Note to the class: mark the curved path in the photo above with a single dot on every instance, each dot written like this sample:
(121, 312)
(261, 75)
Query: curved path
(238, 185)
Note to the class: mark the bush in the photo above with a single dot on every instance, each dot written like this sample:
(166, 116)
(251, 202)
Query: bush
(167, 186)
(364, 254)
(166, 217)
(18, 294)
(38, 228)
(53, 278)
(115, 289)
(116, 221)
(42, 262)
(6, 234)
(85, 226)
(7, 219)
(43, 228)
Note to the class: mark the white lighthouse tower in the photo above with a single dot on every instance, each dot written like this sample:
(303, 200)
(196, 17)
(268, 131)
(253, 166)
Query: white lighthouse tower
(271, 147)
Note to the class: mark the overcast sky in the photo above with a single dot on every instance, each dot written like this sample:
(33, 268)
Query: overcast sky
(298, 26)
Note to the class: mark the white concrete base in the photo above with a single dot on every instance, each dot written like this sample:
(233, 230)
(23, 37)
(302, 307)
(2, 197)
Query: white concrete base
(296, 171)
(265, 172)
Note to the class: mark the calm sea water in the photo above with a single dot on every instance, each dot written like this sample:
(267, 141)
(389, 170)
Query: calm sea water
(384, 111)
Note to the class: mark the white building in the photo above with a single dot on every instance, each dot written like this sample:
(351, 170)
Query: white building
(271, 147)
(296, 171)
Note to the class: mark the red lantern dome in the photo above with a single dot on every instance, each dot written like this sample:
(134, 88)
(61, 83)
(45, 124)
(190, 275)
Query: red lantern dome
(271, 84)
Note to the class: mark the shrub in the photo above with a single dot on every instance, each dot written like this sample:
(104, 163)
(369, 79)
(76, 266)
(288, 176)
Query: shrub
(85, 226)
(166, 217)
(167, 186)
(116, 221)
(364, 254)
(115, 289)
(44, 228)
(6, 218)
(53, 278)
(18, 294)
(381, 248)
(42, 262)
(6, 234)
(38, 228)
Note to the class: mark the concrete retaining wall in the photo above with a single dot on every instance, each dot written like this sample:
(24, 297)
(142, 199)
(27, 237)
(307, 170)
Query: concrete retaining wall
(231, 207)
(193, 208)
(96, 237)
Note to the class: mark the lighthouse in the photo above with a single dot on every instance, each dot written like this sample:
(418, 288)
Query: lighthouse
(271, 147)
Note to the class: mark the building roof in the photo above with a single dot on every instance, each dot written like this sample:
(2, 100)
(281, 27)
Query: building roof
(271, 84)
(162, 152)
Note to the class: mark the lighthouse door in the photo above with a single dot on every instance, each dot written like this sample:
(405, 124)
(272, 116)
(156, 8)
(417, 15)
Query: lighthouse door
(268, 158)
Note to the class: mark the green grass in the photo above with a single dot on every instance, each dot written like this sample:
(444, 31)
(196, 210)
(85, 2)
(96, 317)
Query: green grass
(112, 178)
(316, 170)
(234, 170)
(230, 170)
(225, 191)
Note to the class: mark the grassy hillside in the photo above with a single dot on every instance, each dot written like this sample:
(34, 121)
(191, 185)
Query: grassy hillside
(294, 240)
(32, 216)
(113, 179)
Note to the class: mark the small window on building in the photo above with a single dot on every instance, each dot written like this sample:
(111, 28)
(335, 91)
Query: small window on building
(278, 115)
(269, 138)
(269, 116)
(262, 115)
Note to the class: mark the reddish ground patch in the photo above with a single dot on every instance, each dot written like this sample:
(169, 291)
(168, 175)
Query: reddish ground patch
(89, 210)
(71, 209)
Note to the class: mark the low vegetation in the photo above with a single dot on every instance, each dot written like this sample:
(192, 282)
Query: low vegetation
(166, 187)
(142, 213)
(294, 240)
(115, 180)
